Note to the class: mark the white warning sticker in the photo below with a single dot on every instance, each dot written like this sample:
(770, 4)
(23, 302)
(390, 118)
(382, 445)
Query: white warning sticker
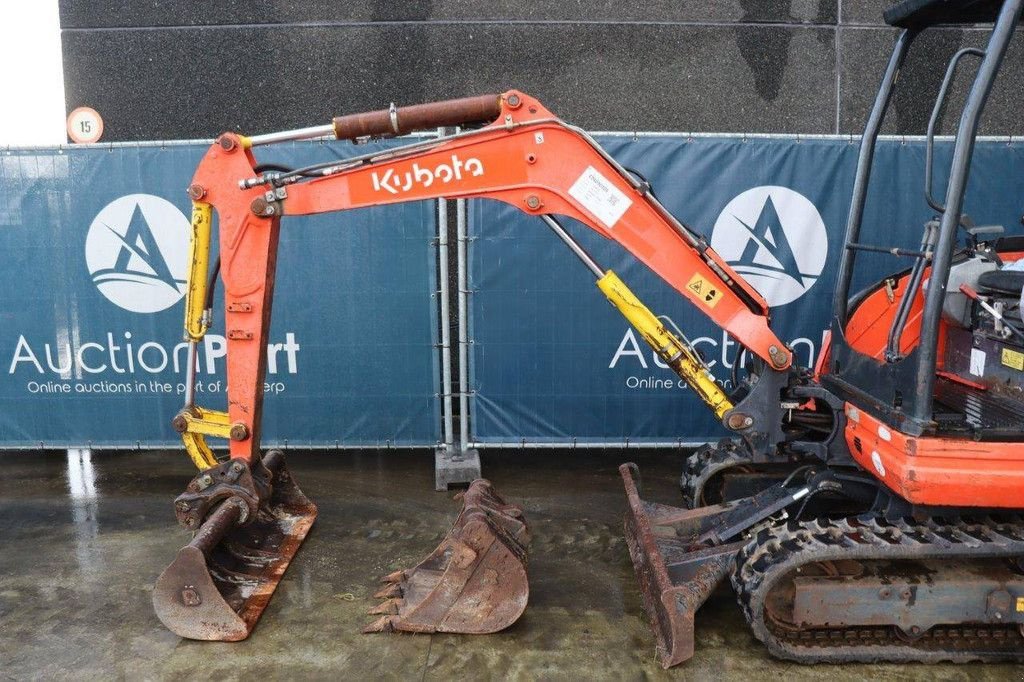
(876, 459)
(599, 196)
(977, 362)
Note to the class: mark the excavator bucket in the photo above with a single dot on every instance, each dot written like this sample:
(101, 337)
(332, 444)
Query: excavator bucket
(473, 583)
(248, 525)
(676, 575)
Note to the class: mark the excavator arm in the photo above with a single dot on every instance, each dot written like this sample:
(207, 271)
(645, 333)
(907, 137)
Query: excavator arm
(248, 513)
(525, 156)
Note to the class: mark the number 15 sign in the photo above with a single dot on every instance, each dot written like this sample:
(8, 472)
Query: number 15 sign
(85, 125)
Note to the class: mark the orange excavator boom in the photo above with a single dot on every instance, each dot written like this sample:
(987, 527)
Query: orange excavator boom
(526, 157)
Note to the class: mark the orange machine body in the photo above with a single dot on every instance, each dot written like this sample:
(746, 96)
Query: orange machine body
(940, 471)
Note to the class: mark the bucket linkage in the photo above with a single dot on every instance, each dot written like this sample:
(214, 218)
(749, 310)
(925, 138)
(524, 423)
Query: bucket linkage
(248, 522)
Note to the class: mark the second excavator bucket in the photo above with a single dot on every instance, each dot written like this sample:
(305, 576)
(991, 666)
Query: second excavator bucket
(248, 525)
(474, 582)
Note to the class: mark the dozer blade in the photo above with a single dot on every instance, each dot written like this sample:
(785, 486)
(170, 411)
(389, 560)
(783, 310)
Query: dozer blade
(249, 525)
(473, 583)
(676, 573)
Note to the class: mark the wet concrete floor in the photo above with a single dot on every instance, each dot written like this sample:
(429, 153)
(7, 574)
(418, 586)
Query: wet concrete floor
(82, 540)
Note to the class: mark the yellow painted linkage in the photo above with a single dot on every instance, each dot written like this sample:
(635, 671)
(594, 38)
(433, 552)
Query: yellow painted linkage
(682, 358)
(199, 423)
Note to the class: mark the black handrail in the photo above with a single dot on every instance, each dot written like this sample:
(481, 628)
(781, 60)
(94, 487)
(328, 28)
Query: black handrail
(840, 301)
(939, 101)
(960, 167)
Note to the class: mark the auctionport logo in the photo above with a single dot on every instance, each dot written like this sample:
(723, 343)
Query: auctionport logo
(775, 238)
(137, 253)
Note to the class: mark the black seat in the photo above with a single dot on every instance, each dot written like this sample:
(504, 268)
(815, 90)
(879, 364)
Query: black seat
(1008, 282)
(924, 13)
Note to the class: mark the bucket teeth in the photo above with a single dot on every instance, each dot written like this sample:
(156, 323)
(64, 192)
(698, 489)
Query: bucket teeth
(382, 624)
(396, 577)
(474, 582)
(389, 591)
(388, 608)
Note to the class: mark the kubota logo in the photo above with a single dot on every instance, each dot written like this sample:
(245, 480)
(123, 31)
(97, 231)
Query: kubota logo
(396, 183)
(137, 252)
(776, 239)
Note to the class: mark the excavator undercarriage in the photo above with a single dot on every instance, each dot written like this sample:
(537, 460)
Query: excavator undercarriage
(888, 528)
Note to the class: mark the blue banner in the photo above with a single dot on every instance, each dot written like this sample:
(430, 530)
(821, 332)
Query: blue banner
(552, 362)
(94, 243)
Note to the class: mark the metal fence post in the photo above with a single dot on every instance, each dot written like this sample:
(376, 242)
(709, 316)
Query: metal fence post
(455, 462)
(445, 313)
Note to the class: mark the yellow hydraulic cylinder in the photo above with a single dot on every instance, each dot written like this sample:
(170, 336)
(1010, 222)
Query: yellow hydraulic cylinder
(676, 353)
(194, 423)
(198, 268)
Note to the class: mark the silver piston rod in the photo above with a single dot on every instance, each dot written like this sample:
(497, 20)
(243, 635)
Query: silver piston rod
(190, 374)
(574, 246)
(295, 134)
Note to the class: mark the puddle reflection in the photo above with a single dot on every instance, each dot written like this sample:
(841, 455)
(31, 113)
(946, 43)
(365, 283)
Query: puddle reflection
(84, 509)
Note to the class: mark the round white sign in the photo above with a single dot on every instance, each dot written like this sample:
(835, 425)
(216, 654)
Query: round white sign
(775, 238)
(85, 125)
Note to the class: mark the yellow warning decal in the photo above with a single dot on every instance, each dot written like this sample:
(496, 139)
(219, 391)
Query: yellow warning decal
(1020, 604)
(707, 292)
(1014, 359)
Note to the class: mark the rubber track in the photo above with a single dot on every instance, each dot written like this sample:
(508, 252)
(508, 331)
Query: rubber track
(775, 551)
(701, 467)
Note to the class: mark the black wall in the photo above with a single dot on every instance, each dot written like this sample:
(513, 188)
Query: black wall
(184, 69)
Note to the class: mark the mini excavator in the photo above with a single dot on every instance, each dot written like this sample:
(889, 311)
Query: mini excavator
(865, 509)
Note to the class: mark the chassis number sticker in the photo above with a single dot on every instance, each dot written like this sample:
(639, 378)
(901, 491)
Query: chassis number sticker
(599, 196)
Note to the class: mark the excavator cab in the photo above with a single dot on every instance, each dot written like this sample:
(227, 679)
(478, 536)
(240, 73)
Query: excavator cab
(909, 456)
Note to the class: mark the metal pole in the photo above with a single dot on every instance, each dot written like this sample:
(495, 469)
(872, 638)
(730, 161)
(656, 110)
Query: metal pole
(445, 312)
(592, 445)
(190, 374)
(296, 134)
(460, 228)
(929, 147)
(860, 185)
(580, 252)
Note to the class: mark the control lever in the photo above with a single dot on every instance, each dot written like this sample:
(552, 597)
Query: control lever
(970, 293)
